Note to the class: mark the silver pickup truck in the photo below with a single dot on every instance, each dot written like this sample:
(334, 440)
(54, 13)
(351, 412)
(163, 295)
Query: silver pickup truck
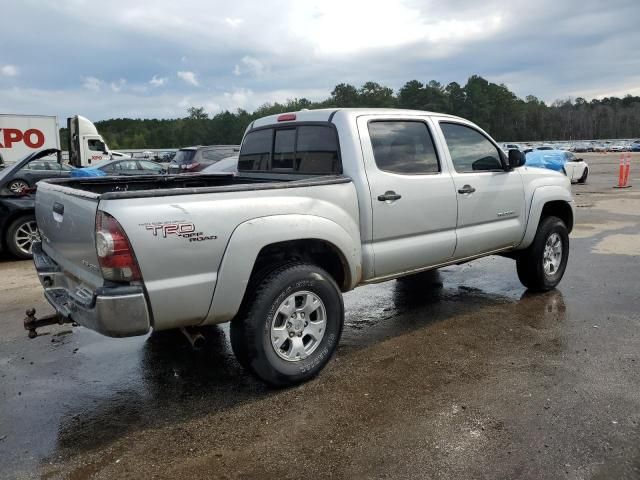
(323, 201)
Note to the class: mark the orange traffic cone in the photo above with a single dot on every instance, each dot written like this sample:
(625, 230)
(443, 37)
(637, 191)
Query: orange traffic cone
(623, 173)
(627, 169)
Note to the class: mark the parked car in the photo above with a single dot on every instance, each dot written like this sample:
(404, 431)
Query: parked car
(196, 159)
(511, 146)
(635, 147)
(306, 218)
(119, 167)
(581, 148)
(618, 147)
(226, 165)
(18, 229)
(32, 168)
(576, 169)
(600, 148)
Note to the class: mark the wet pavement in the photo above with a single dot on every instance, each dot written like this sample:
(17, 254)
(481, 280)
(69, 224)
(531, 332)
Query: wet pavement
(461, 375)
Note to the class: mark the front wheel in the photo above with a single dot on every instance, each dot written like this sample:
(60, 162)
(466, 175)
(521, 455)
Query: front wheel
(584, 176)
(542, 265)
(291, 325)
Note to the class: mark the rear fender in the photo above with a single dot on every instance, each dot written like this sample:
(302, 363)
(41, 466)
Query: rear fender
(251, 237)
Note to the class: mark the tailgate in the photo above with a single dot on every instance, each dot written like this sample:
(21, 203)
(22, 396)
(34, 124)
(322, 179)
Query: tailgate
(67, 225)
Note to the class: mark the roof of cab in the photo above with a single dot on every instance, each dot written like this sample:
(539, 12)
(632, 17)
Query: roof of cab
(324, 114)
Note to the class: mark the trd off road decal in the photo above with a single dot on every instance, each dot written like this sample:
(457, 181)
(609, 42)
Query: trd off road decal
(179, 229)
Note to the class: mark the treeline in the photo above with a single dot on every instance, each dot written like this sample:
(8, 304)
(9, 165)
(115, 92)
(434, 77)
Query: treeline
(494, 107)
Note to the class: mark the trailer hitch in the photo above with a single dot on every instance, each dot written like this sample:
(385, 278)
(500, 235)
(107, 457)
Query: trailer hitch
(31, 323)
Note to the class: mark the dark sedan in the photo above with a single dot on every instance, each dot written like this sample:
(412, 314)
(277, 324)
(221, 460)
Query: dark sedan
(25, 173)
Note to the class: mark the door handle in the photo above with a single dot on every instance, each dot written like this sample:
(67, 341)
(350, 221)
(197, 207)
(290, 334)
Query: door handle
(389, 196)
(466, 189)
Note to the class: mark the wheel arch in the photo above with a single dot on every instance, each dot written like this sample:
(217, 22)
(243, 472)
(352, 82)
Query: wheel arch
(271, 241)
(548, 201)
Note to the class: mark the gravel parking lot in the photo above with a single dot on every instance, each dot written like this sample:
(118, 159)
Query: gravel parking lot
(464, 376)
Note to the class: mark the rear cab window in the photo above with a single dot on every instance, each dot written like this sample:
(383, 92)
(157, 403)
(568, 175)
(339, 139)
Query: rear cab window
(308, 149)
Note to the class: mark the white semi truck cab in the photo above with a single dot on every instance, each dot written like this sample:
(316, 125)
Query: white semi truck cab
(86, 145)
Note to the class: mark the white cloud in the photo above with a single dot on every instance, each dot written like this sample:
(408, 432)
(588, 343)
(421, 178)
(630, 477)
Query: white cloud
(233, 22)
(9, 71)
(92, 83)
(118, 86)
(189, 78)
(249, 65)
(158, 81)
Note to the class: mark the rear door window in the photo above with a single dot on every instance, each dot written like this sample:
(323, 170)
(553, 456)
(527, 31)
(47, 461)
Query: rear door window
(404, 147)
(304, 149)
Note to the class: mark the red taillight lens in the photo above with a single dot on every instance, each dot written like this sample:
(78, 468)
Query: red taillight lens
(117, 260)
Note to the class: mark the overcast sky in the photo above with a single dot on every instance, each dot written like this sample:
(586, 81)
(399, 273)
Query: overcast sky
(122, 58)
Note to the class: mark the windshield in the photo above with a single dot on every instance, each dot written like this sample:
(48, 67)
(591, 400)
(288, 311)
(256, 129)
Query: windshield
(184, 156)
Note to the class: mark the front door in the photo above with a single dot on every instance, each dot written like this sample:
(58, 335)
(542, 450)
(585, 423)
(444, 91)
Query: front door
(95, 150)
(491, 208)
(413, 199)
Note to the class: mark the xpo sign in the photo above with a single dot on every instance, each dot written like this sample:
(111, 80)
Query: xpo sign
(32, 138)
(21, 135)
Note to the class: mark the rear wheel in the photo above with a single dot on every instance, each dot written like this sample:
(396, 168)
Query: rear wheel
(21, 234)
(291, 327)
(584, 176)
(542, 265)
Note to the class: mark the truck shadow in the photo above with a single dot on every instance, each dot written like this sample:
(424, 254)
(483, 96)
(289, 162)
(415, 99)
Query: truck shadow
(174, 383)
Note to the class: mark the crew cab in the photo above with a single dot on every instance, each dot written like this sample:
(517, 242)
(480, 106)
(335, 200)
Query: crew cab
(323, 201)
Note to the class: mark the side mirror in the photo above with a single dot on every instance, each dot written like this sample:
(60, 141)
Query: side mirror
(516, 158)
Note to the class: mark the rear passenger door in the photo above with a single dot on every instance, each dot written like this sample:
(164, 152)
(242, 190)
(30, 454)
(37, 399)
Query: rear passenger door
(413, 199)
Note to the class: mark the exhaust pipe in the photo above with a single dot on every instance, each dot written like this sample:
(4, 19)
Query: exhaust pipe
(196, 339)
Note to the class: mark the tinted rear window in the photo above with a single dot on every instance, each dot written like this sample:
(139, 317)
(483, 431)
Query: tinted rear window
(184, 156)
(215, 154)
(306, 149)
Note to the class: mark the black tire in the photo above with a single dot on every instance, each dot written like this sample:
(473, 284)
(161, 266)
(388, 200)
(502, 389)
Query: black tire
(251, 329)
(529, 263)
(12, 240)
(585, 174)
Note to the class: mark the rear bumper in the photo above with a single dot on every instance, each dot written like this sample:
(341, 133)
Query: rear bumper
(112, 311)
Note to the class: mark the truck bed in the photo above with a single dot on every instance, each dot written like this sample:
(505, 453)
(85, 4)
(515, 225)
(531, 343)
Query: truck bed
(153, 185)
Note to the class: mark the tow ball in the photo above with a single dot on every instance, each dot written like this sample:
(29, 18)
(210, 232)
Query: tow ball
(31, 323)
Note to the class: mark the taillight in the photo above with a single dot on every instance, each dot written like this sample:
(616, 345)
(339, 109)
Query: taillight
(115, 255)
